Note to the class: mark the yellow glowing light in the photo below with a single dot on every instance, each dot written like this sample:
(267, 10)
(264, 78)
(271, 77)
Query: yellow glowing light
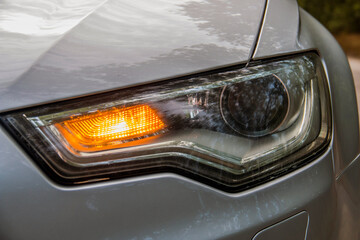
(107, 129)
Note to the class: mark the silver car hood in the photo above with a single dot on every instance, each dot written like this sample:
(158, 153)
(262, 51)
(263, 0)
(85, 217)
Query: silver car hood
(53, 50)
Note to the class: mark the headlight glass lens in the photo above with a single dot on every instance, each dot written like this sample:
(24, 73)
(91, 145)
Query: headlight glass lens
(233, 127)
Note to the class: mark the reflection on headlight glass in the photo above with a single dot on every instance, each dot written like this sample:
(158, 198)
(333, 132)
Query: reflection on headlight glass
(232, 127)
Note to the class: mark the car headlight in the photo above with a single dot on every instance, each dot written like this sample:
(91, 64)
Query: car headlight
(233, 127)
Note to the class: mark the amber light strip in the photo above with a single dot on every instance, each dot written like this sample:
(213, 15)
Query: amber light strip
(98, 130)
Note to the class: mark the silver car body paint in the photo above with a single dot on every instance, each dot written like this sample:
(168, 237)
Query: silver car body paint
(344, 105)
(167, 206)
(346, 126)
(162, 206)
(117, 44)
(280, 30)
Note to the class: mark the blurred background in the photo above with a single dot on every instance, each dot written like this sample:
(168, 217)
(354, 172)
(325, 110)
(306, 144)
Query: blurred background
(342, 18)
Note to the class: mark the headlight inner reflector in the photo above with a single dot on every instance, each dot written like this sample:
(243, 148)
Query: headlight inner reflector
(109, 129)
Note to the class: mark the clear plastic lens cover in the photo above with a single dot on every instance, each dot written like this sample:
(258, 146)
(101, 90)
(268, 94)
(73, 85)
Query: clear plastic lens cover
(232, 127)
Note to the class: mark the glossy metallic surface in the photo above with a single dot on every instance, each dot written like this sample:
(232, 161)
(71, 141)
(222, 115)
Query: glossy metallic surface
(28, 29)
(348, 197)
(346, 126)
(115, 44)
(344, 106)
(162, 206)
(39, 66)
(280, 29)
(297, 225)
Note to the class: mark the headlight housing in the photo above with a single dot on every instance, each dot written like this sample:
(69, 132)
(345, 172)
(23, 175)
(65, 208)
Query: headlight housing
(232, 127)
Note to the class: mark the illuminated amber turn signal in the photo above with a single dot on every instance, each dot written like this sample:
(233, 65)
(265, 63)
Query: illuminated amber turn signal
(107, 129)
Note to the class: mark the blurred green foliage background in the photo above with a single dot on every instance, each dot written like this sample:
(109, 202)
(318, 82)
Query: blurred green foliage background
(339, 16)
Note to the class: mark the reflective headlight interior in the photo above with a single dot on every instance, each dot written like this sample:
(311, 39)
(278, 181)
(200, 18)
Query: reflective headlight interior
(233, 127)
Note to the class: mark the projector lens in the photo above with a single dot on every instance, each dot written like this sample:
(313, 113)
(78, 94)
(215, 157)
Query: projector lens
(256, 107)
